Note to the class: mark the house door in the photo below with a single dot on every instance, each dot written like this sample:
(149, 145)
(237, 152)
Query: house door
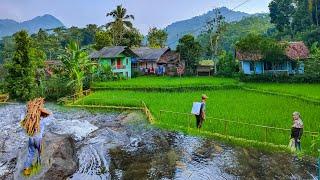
(118, 63)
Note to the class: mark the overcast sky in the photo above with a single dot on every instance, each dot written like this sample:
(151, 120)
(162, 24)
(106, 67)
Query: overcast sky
(148, 13)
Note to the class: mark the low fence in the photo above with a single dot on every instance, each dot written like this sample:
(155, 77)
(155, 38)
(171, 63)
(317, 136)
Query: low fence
(73, 98)
(148, 113)
(237, 129)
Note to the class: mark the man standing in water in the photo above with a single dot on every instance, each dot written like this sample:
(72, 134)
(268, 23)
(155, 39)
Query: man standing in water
(202, 115)
(35, 130)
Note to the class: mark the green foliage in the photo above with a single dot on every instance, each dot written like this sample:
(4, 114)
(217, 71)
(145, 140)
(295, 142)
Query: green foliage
(21, 79)
(103, 73)
(227, 65)
(132, 38)
(296, 19)
(121, 22)
(258, 24)
(269, 48)
(190, 51)
(312, 65)
(137, 73)
(102, 39)
(55, 87)
(302, 18)
(157, 38)
(7, 46)
(280, 78)
(77, 65)
(280, 13)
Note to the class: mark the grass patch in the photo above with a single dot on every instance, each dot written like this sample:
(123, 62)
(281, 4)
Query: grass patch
(311, 91)
(234, 104)
(158, 82)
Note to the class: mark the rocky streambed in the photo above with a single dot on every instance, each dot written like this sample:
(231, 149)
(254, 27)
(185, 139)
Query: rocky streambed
(84, 144)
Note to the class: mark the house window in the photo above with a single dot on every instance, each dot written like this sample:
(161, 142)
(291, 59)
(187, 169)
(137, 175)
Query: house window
(251, 66)
(267, 66)
(127, 61)
(134, 65)
(279, 66)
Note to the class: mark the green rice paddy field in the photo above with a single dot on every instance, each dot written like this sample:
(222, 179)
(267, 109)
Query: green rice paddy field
(156, 82)
(238, 105)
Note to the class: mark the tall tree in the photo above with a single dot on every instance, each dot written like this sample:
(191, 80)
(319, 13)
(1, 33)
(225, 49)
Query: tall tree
(281, 12)
(312, 66)
(21, 79)
(157, 38)
(190, 51)
(89, 34)
(302, 18)
(121, 22)
(102, 39)
(215, 30)
(132, 38)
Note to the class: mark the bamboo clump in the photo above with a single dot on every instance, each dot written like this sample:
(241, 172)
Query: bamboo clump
(31, 122)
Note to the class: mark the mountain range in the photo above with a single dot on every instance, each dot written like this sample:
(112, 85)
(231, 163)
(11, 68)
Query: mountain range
(196, 24)
(175, 30)
(9, 27)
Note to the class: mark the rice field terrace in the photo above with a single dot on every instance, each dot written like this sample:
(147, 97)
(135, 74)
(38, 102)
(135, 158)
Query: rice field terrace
(158, 82)
(230, 111)
(311, 91)
(304, 91)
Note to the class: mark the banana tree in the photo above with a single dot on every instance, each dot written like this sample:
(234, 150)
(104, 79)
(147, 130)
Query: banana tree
(77, 64)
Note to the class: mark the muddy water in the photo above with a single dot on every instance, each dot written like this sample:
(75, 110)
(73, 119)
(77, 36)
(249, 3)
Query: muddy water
(124, 146)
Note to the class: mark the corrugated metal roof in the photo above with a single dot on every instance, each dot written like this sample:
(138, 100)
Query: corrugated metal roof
(109, 52)
(150, 54)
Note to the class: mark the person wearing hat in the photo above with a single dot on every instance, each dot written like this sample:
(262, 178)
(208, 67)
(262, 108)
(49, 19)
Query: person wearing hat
(297, 130)
(34, 143)
(202, 115)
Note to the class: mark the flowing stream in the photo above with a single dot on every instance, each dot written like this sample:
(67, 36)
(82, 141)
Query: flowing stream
(124, 146)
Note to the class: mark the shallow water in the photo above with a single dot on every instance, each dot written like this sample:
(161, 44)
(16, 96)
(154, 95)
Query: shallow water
(124, 146)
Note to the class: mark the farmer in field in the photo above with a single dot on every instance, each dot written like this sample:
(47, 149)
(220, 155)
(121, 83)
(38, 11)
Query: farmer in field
(297, 130)
(34, 125)
(202, 115)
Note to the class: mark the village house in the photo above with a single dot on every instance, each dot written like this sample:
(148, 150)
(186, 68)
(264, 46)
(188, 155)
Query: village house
(158, 61)
(118, 57)
(253, 63)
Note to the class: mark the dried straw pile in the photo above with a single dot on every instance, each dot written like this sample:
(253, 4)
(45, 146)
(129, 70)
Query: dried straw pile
(31, 122)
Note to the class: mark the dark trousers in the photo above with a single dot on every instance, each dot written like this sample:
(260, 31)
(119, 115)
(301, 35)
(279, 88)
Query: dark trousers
(296, 133)
(199, 121)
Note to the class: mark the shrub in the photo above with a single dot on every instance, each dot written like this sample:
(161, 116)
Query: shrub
(55, 87)
(280, 78)
(137, 73)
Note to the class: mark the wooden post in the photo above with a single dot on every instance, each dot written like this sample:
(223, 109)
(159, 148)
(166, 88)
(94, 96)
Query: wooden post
(266, 134)
(225, 128)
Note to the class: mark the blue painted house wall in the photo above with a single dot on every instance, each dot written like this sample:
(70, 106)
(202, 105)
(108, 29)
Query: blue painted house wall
(257, 67)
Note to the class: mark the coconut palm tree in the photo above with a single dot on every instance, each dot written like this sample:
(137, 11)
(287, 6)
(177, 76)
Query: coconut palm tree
(121, 22)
